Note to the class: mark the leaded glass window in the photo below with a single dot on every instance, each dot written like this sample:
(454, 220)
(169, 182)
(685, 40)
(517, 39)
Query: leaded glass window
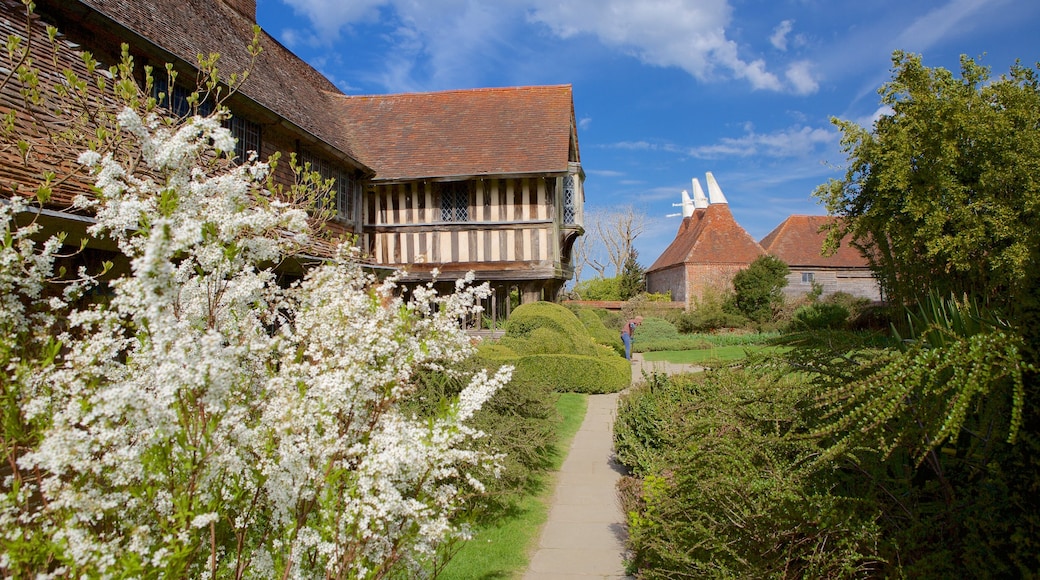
(455, 201)
(570, 210)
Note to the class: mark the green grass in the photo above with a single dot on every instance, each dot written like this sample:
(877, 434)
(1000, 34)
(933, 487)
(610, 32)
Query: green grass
(708, 355)
(503, 550)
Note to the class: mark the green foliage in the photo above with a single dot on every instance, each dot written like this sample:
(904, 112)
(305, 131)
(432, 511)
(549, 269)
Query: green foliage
(943, 193)
(726, 488)
(659, 334)
(607, 373)
(758, 289)
(519, 420)
(632, 280)
(550, 346)
(819, 316)
(599, 289)
(598, 330)
(960, 369)
(708, 314)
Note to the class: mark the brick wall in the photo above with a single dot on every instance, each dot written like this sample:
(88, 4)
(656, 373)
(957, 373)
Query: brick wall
(669, 280)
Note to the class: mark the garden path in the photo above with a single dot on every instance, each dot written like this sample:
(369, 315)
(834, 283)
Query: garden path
(584, 537)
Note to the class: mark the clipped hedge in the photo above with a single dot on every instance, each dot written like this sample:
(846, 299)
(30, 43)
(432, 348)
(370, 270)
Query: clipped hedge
(598, 330)
(574, 373)
(547, 316)
(550, 347)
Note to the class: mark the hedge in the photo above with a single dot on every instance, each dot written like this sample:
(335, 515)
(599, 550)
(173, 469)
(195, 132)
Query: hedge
(574, 373)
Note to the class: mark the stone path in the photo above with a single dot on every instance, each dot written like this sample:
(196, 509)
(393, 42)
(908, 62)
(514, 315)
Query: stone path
(584, 537)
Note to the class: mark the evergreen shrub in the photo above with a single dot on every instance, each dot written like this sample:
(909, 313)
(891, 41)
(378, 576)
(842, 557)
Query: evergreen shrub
(550, 347)
(726, 484)
(819, 316)
(600, 333)
(575, 373)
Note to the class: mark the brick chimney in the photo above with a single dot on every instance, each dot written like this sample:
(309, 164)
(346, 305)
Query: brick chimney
(246, 8)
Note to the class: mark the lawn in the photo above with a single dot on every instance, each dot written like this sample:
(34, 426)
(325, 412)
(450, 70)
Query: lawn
(503, 550)
(708, 355)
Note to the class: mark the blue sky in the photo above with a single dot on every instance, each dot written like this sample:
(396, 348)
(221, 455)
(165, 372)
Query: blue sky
(666, 90)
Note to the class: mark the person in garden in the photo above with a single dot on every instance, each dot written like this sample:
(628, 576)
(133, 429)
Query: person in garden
(627, 332)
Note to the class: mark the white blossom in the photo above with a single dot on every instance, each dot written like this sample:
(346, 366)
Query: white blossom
(205, 397)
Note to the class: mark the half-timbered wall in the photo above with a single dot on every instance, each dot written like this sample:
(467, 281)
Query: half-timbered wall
(506, 220)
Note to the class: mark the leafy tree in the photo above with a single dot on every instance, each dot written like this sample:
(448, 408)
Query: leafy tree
(759, 288)
(632, 281)
(943, 193)
(599, 289)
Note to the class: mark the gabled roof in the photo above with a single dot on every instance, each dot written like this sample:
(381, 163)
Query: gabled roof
(798, 241)
(709, 236)
(279, 81)
(462, 133)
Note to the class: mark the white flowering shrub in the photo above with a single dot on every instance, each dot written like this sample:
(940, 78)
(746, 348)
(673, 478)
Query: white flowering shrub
(207, 421)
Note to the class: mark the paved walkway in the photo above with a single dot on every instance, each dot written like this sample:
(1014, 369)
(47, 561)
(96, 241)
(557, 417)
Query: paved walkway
(584, 537)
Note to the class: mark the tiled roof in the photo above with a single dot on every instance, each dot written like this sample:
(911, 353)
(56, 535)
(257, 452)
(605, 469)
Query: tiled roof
(496, 131)
(709, 236)
(279, 80)
(798, 241)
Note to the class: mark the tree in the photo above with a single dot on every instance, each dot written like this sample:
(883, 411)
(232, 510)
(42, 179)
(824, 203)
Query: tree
(943, 193)
(759, 288)
(612, 238)
(632, 281)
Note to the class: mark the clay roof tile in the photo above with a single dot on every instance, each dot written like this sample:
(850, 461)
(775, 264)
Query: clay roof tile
(798, 241)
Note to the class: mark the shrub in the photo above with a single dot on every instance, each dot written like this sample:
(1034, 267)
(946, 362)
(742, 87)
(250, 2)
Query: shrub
(553, 348)
(600, 333)
(709, 313)
(607, 373)
(519, 422)
(726, 489)
(819, 316)
(758, 288)
(572, 337)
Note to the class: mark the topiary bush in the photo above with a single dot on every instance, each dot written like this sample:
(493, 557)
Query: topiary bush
(549, 317)
(593, 322)
(551, 347)
(575, 373)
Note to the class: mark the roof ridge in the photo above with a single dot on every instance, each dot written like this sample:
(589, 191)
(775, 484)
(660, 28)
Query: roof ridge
(456, 91)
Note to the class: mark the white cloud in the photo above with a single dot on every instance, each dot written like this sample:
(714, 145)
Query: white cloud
(329, 17)
(449, 34)
(797, 141)
(687, 34)
(937, 24)
(799, 75)
(605, 173)
(584, 123)
(779, 37)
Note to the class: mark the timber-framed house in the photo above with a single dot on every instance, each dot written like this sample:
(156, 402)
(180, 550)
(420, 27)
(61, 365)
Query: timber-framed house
(485, 180)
